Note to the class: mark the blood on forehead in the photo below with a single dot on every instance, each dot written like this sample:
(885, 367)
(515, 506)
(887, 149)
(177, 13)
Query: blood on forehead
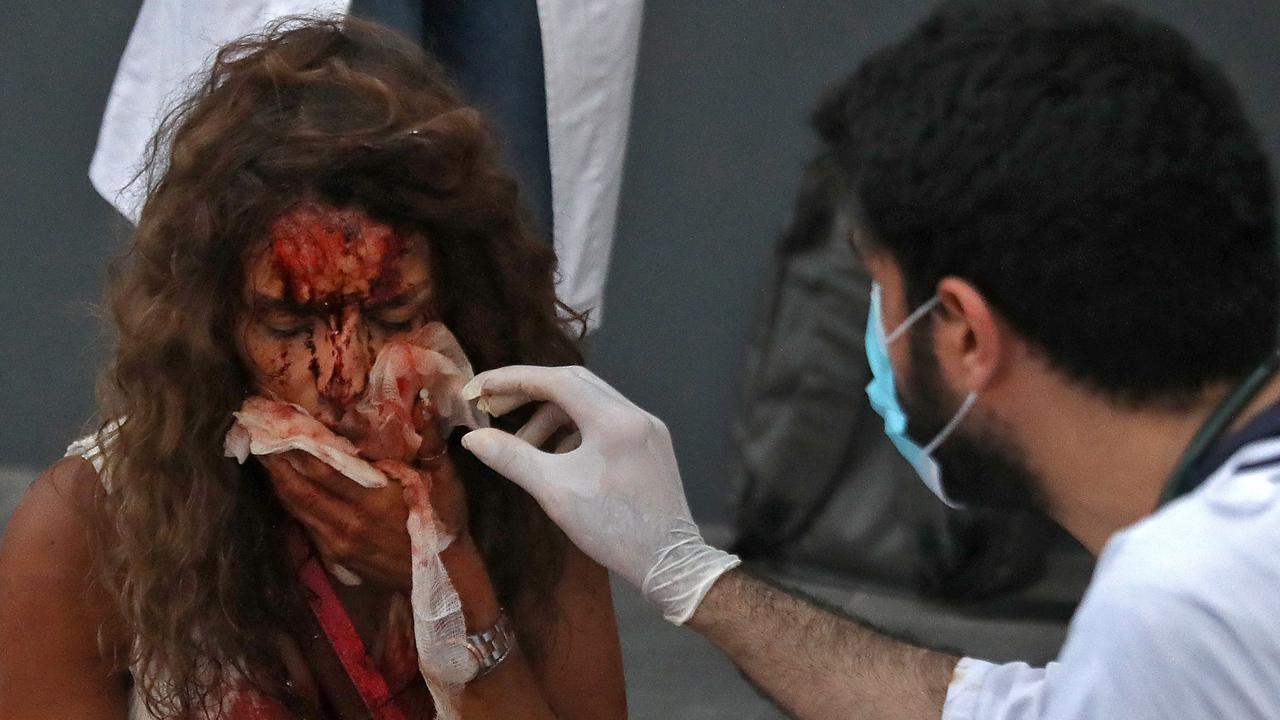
(330, 256)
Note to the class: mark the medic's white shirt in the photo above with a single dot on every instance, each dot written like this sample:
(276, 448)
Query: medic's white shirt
(1181, 622)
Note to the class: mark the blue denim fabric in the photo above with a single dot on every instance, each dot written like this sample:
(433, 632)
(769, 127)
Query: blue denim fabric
(494, 50)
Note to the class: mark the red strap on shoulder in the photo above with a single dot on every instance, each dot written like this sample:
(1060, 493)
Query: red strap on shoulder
(341, 632)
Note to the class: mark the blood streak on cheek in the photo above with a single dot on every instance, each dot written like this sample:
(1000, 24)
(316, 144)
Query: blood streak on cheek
(314, 365)
(282, 369)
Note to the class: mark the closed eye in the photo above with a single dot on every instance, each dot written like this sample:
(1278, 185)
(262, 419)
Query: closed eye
(397, 326)
(290, 331)
(401, 316)
(283, 324)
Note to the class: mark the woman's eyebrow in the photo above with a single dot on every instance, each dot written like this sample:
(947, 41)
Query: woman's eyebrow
(408, 297)
(267, 303)
(274, 304)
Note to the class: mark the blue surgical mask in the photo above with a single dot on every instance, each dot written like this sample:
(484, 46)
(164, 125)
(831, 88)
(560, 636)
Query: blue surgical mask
(884, 396)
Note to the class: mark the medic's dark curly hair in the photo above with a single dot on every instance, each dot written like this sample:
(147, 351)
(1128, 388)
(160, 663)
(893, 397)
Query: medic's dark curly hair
(1088, 171)
(355, 115)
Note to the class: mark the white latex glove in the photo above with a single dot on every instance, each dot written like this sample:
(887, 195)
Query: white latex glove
(617, 495)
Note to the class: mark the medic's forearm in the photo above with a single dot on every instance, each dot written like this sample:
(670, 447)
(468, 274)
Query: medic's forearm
(816, 664)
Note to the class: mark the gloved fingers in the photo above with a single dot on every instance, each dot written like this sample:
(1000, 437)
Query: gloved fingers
(570, 443)
(603, 387)
(499, 405)
(569, 387)
(545, 422)
(509, 456)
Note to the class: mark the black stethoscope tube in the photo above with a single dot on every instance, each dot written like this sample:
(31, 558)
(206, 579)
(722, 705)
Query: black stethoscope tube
(1183, 480)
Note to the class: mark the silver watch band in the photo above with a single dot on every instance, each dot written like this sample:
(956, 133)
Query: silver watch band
(490, 647)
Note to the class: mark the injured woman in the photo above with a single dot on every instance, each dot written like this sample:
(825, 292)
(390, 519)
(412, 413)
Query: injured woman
(275, 518)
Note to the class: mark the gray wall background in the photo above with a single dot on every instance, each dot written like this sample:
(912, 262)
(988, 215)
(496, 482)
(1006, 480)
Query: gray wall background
(718, 141)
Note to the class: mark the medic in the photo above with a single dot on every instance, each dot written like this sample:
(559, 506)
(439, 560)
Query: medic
(1070, 225)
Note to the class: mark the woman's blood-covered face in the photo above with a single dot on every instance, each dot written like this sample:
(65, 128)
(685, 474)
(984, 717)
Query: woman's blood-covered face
(323, 293)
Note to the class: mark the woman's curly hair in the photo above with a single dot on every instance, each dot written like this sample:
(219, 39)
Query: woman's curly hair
(356, 115)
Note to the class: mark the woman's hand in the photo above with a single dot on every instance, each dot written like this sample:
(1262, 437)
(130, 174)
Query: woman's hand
(447, 498)
(362, 529)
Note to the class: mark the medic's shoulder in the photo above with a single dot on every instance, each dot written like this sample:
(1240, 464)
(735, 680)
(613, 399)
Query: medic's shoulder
(1178, 619)
(1189, 591)
(1225, 532)
(1177, 623)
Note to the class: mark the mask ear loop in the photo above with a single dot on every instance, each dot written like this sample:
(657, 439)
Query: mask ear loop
(969, 400)
(950, 427)
(919, 312)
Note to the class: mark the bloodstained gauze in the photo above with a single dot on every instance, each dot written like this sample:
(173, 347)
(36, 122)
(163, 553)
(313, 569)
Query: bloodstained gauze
(330, 256)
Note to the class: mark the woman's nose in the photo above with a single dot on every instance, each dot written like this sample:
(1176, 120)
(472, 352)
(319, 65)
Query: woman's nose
(350, 356)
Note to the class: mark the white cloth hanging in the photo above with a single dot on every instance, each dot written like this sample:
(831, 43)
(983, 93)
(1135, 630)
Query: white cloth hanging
(589, 50)
(589, 55)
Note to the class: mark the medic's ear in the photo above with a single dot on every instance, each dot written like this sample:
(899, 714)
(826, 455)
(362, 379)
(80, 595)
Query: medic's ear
(970, 339)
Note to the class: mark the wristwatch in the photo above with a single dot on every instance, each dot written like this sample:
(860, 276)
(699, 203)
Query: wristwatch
(490, 647)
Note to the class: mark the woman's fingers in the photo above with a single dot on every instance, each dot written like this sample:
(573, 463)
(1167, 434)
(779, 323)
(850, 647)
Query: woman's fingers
(326, 516)
(323, 475)
(365, 534)
(307, 501)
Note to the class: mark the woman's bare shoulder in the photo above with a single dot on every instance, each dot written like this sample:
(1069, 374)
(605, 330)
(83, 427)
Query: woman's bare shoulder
(48, 534)
(46, 561)
(51, 611)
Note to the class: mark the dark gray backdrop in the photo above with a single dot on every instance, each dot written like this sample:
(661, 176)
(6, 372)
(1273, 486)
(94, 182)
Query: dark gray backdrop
(718, 141)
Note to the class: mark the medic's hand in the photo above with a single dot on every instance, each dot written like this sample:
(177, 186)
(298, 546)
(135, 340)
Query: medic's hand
(617, 495)
(362, 529)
